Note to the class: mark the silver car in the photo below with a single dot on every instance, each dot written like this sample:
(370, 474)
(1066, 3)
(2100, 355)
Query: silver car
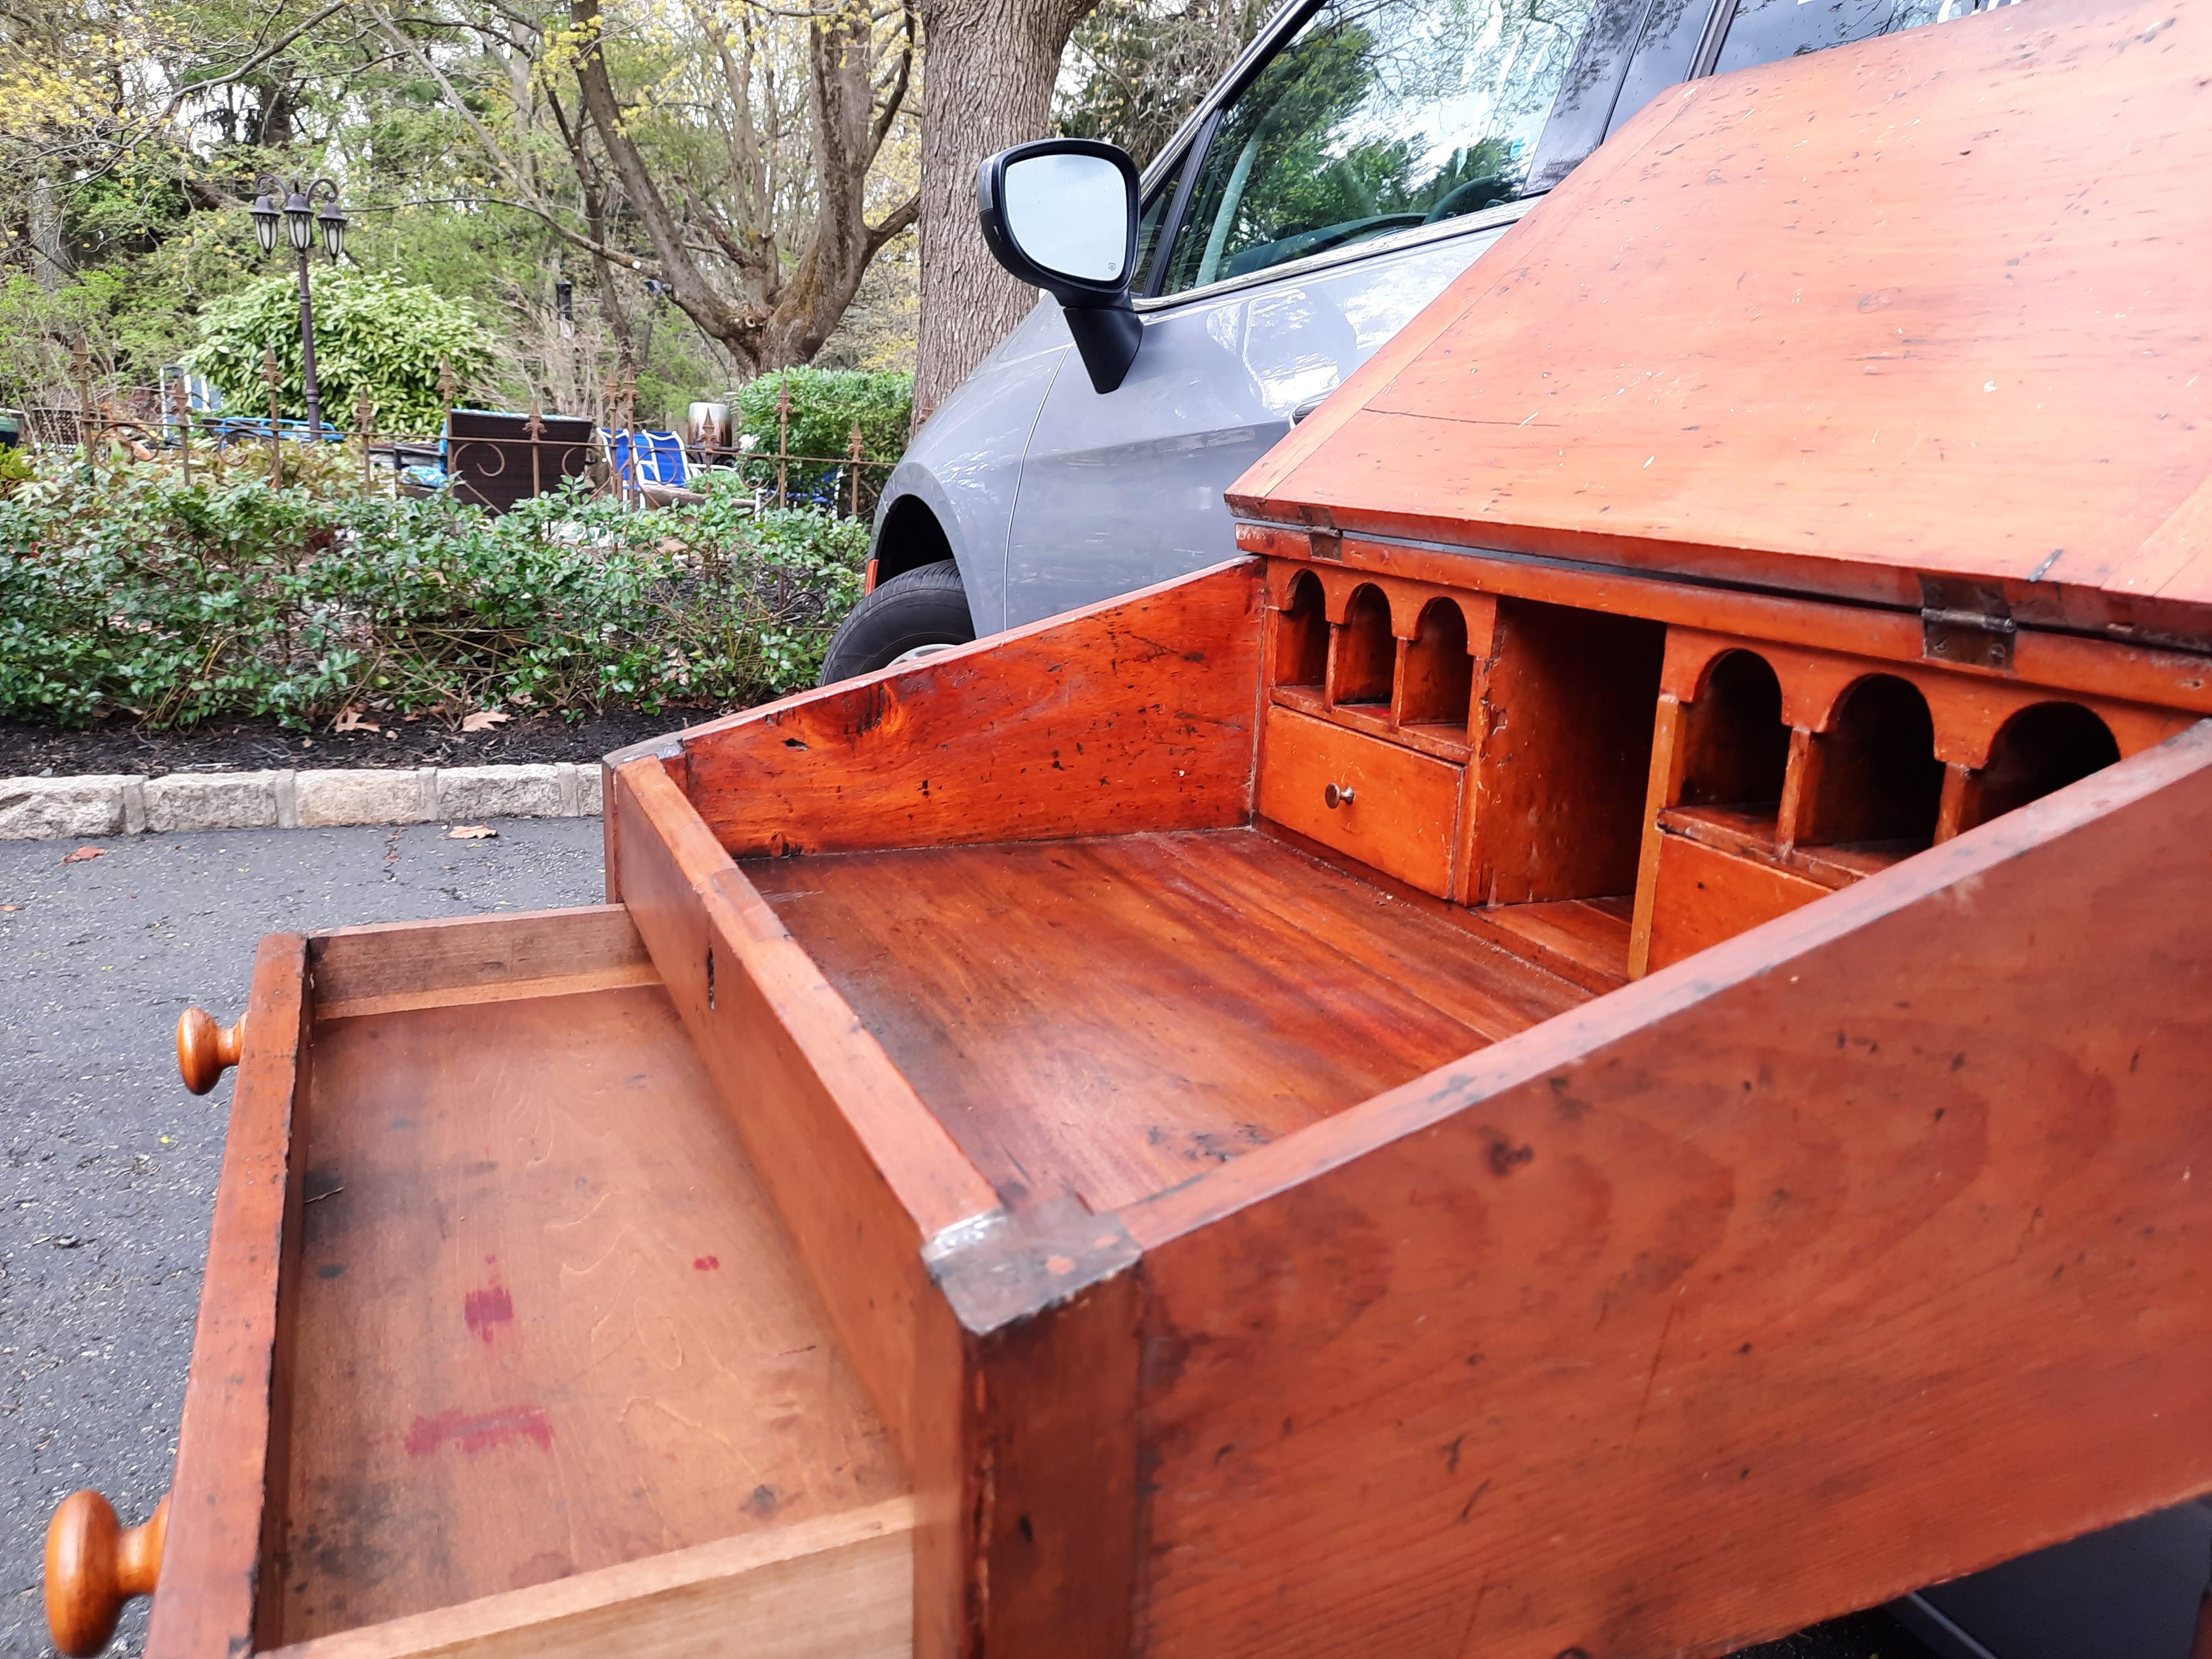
(1357, 157)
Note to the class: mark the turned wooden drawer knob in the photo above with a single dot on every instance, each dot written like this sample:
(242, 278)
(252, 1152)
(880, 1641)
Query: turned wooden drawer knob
(1337, 794)
(94, 1565)
(206, 1050)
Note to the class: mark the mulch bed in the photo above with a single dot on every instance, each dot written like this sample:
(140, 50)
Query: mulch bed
(27, 751)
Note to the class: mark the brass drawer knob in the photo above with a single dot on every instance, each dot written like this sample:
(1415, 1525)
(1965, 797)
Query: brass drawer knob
(206, 1050)
(94, 1565)
(1337, 794)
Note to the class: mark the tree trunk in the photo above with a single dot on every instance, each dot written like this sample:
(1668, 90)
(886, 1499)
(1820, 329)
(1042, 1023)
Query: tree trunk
(48, 245)
(848, 134)
(987, 83)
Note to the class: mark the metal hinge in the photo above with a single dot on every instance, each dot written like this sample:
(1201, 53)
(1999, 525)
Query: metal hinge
(1966, 622)
(1323, 539)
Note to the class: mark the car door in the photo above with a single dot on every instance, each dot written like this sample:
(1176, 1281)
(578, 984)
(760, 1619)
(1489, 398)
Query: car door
(1328, 197)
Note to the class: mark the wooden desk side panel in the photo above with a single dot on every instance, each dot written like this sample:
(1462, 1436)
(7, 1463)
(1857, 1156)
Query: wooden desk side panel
(861, 1173)
(1863, 1251)
(1134, 714)
(229, 1454)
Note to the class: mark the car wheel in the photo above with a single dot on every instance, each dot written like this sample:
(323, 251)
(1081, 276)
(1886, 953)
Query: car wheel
(910, 617)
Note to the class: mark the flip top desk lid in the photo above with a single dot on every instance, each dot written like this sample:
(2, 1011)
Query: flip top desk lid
(1938, 305)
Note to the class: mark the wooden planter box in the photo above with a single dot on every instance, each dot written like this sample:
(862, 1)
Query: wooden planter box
(1490, 1076)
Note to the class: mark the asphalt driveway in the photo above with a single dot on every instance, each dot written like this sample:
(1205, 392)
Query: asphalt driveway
(111, 1166)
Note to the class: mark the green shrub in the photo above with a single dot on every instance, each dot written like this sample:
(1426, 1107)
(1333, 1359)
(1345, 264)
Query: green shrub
(125, 590)
(825, 405)
(375, 336)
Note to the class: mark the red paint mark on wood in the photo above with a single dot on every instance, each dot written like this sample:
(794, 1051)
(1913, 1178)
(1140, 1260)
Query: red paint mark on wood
(706, 1264)
(487, 1308)
(481, 1431)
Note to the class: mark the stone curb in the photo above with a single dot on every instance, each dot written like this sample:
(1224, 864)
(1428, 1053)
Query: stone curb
(113, 804)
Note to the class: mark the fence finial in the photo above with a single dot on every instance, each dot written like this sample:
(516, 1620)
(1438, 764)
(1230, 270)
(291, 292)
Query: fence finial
(783, 440)
(365, 423)
(182, 391)
(276, 414)
(535, 426)
(81, 361)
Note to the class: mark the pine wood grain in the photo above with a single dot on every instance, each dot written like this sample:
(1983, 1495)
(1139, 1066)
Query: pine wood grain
(1384, 804)
(1133, 714)
(1567, 701)
(2173, 671)
(223, 1501)
(548, 1321)
(841, 1587)
(1584, 940)
(1108, 1017)
(387, 967)
(862, 1173)
(1702, 895)
(1860, 1250)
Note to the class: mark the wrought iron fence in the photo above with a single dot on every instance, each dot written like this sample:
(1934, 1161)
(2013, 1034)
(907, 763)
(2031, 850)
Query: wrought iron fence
(492, 459)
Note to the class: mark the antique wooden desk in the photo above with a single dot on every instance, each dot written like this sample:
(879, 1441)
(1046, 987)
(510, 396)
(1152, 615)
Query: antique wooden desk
(1599, 1050)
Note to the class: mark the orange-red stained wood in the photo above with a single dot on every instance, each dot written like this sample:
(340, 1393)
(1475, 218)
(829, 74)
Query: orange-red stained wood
(1133, 714)
(1107, 1016)
(1934, 303)
(1768, 1288)
(219, 1502)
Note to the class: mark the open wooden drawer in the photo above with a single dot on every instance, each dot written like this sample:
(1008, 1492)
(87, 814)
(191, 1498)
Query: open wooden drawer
(503, 1347)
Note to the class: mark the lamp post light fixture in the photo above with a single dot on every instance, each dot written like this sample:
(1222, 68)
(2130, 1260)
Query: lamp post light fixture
(300, 220)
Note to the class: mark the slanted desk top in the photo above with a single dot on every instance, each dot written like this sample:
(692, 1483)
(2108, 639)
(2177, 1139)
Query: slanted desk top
(1931, 307)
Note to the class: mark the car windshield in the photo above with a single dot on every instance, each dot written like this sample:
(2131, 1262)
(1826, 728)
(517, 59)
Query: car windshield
(1378, 115)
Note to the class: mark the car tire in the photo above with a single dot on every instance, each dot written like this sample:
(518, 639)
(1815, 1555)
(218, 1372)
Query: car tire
(924, 610)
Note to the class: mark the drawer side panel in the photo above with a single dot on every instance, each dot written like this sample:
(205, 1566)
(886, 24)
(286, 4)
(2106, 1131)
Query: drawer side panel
(219, 1503)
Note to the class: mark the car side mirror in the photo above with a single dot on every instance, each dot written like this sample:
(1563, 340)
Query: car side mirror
(1061, 214)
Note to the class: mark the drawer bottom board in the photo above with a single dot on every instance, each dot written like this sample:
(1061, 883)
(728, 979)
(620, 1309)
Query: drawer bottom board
(545, 1321)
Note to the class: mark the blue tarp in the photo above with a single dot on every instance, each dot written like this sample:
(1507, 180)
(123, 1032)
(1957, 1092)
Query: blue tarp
(244, 428)
(660, 457)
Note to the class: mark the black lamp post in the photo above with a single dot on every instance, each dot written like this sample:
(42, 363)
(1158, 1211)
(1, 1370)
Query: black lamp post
(300, 220)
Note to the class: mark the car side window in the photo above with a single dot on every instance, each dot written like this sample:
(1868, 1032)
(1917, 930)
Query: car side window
(1664, 57)
(1150, 223)
(1378, 115)
(1762, 31)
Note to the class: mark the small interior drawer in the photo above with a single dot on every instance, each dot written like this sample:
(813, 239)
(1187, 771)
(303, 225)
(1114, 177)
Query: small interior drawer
(1702, 895)
(1385, 805)
(547, 1374)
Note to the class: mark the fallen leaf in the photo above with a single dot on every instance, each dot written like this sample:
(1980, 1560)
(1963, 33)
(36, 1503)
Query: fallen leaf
(84, 853)
(472, 832)
(349, 720)
(10, 907)
(484, 719)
